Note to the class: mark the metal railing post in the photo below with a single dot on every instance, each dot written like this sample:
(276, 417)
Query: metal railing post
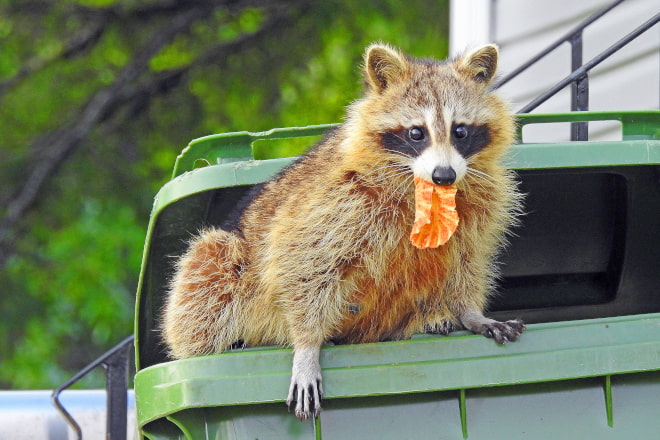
(116, 363)
(116, 366)
(579, 90)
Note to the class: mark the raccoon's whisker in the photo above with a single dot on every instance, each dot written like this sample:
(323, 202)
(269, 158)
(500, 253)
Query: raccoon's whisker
(398, 166)
(399, 153)
(401, 189)
(384, 175)
(390, 170)
(407, 143)
(393, 181)
(401, 181)
(375, 170)
(406, 185)
(480, 174)
(384, 170)
(401, 172)
(395, 173)
(391, 165)
(475, 170)
(479, 178)
(476, 183)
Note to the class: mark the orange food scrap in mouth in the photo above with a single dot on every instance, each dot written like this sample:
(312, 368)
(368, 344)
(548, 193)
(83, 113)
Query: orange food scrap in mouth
(436, 218)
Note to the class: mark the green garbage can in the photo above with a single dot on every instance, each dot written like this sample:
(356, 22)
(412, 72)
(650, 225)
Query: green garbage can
(583, 270)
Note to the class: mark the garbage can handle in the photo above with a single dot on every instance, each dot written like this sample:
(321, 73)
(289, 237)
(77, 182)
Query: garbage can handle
(642, 124)
(230, 147)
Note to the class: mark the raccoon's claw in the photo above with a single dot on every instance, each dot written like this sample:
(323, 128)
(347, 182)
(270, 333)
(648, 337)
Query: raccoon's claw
(306, 388)
(503, 332)
(441, 328)
(307, 401)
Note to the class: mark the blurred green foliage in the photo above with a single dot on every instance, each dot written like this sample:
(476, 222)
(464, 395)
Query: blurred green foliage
(70, 260)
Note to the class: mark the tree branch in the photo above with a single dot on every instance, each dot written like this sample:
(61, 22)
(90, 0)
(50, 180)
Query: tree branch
(165, 80)
(56, 146)
(77, 44)
(98, 20)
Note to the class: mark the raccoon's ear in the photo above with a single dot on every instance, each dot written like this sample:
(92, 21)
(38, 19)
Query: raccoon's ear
(480, 64)
(383, 65)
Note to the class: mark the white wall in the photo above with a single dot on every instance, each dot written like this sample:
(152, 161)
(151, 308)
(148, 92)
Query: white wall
(629, 80)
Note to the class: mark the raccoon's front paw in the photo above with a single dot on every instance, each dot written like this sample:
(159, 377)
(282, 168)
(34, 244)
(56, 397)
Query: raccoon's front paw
(306, 388)
(503, 332)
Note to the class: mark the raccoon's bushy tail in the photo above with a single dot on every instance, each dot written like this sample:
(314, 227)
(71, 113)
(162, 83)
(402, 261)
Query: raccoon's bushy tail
(198, 315)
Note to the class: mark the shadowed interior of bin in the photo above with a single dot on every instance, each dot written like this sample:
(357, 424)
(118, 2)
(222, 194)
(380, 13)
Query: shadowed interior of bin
(586, 247)
(569, 248)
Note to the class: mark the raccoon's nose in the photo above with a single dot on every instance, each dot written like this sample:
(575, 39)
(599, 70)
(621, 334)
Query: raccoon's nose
(443, 176)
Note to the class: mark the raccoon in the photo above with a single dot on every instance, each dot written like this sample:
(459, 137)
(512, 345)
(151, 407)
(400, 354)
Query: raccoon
(322, 253)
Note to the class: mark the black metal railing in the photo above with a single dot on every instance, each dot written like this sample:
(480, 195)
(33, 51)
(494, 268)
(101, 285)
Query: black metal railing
(579, 78)
(116, 362)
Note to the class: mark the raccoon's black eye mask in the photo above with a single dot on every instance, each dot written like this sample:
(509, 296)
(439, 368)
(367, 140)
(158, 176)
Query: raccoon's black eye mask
(409, 142)
(469, 139)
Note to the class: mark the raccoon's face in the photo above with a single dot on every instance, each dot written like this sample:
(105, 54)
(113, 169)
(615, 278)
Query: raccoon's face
(441, 156)
(433, 117)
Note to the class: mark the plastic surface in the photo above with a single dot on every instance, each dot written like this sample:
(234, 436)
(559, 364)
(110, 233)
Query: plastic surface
(551, 352)
(588, 248)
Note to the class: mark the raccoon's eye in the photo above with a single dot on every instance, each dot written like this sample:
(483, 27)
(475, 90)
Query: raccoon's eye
(460, 132)
(416, 133)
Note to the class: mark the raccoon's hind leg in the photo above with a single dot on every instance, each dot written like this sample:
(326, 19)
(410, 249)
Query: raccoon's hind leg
(199, 313)
(502, 332)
